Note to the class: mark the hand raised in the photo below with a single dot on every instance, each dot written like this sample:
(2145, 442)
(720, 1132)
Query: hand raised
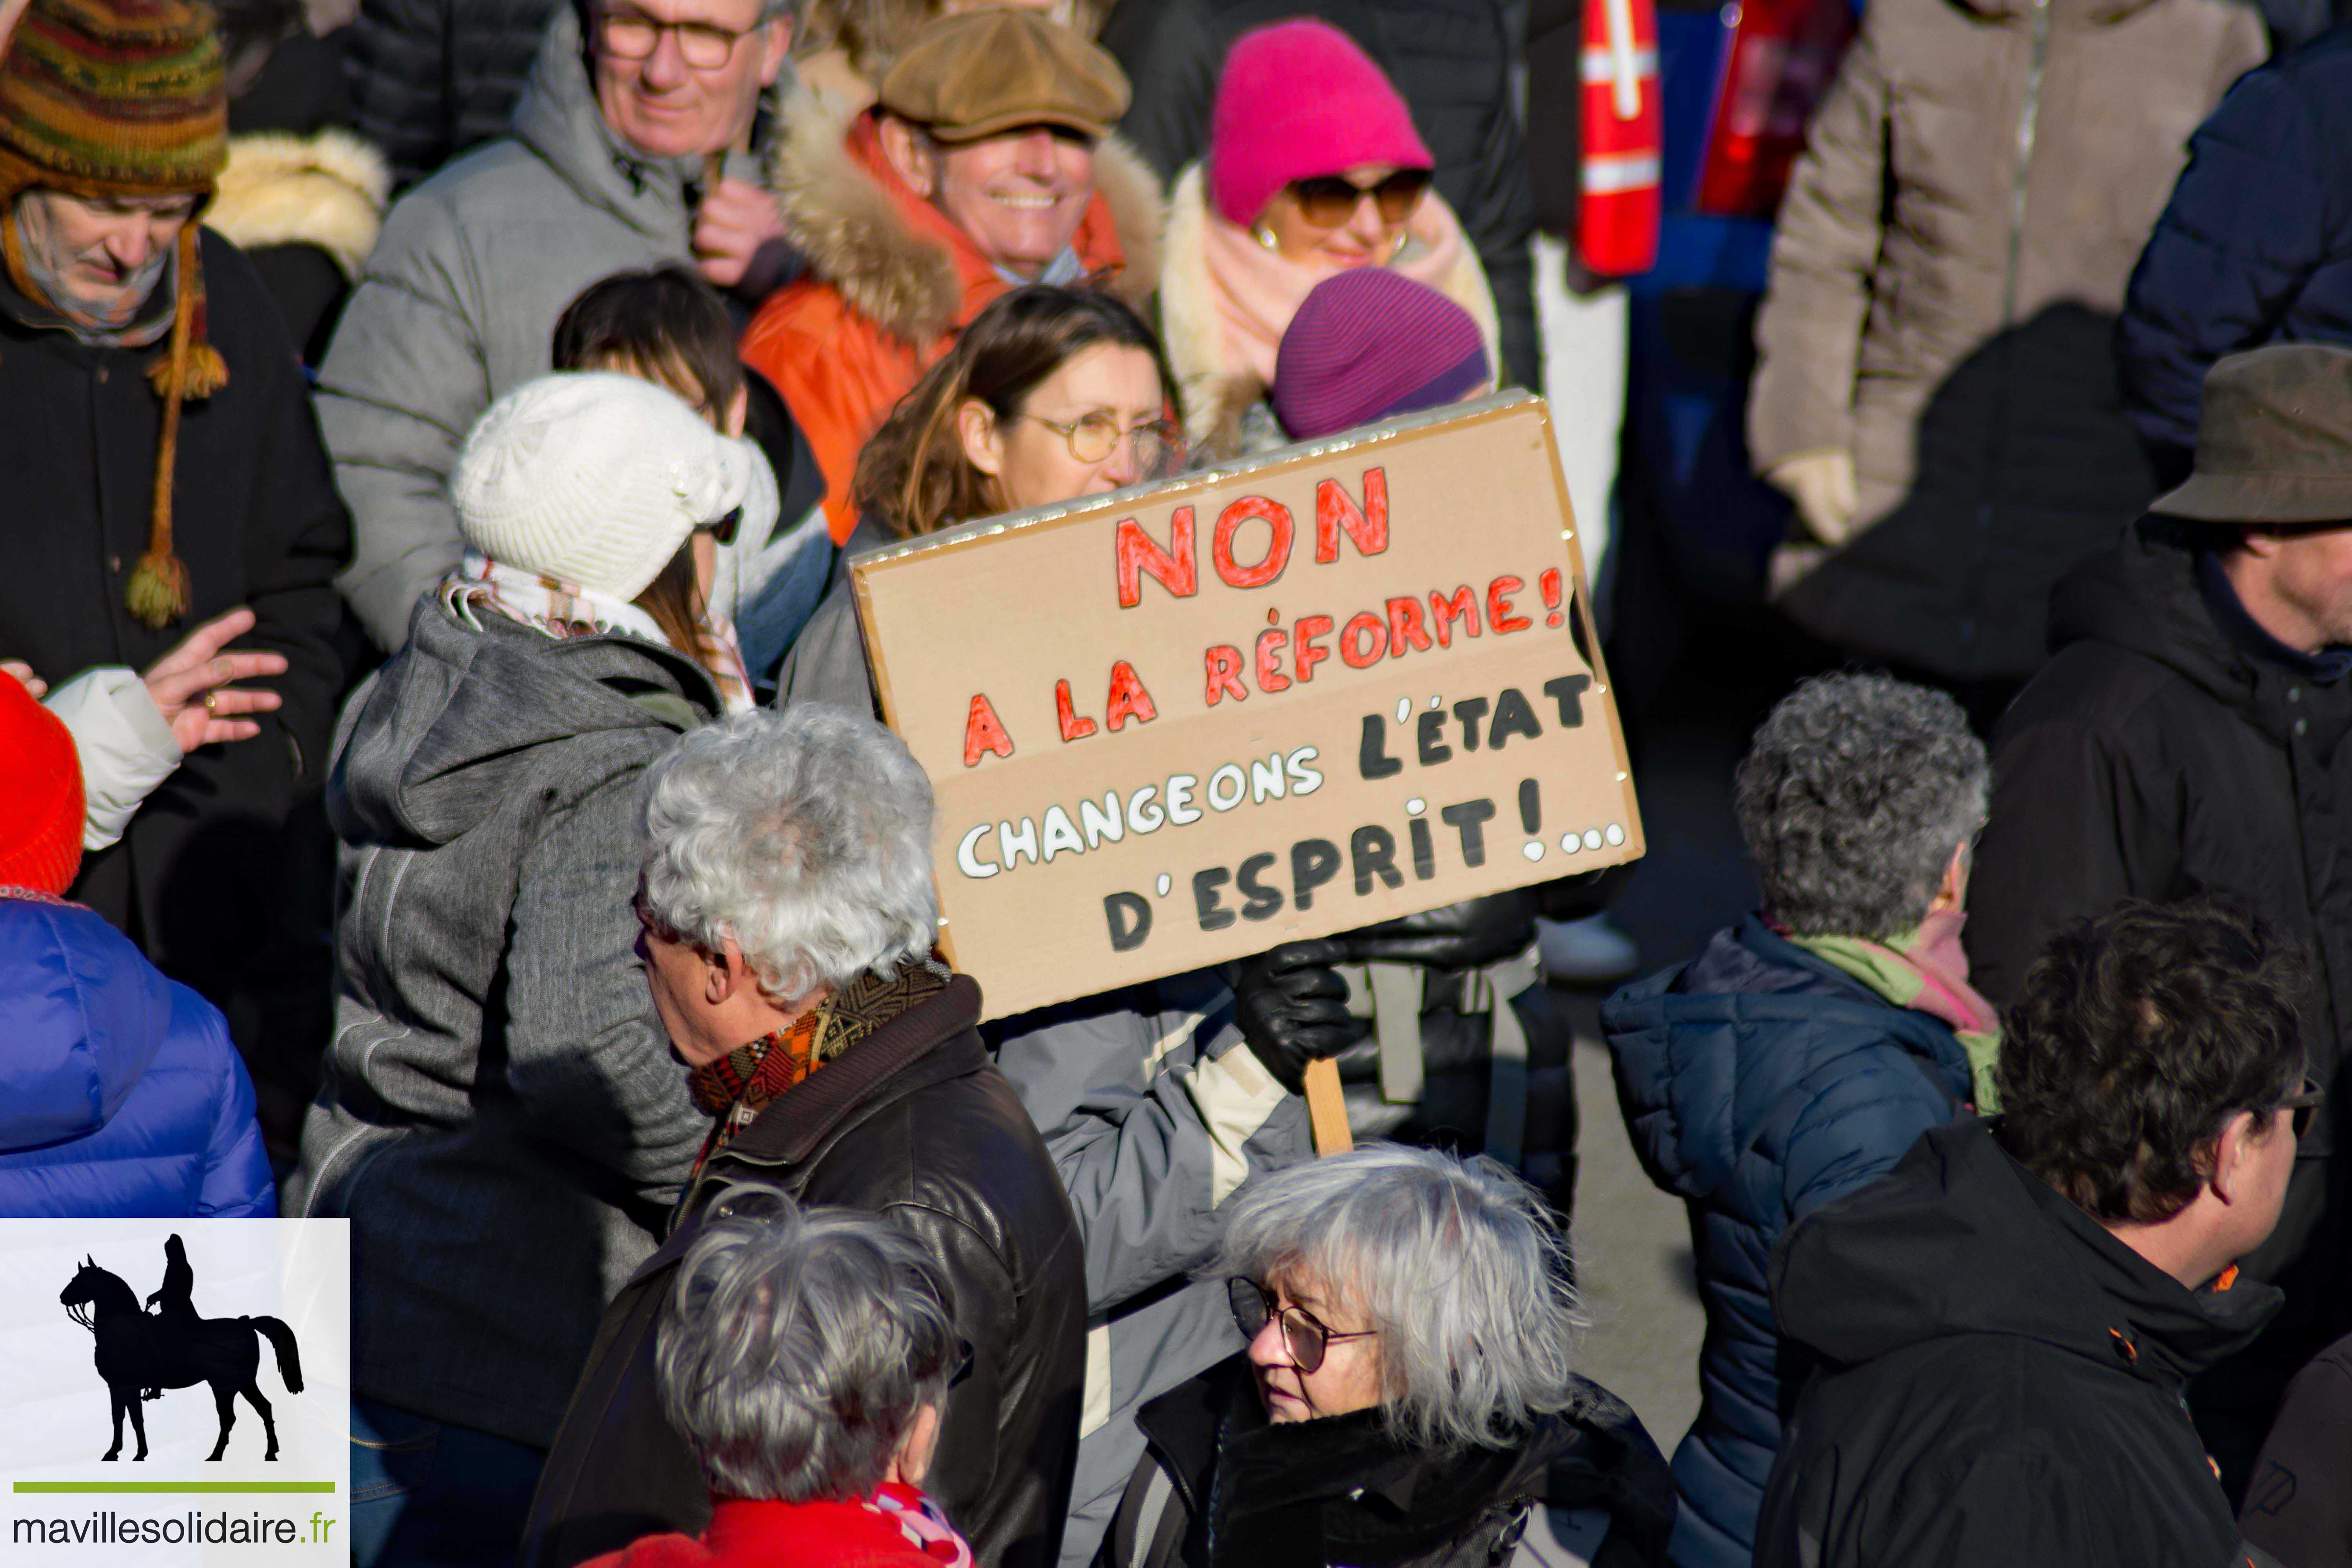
(191, 688)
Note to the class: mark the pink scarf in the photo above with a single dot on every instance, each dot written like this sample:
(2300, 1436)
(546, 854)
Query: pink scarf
(1257, 291)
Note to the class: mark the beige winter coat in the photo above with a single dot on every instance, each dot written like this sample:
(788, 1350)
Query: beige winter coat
(1953, 250)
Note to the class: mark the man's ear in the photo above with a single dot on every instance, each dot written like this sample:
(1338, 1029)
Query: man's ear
(772, 52)
(910, 155)
(724, 972)
(983, 442)
(2233, 1154)
(2263, 544)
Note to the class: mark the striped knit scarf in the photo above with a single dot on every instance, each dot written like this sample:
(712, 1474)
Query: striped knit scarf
(564, 609)
(739, 1085)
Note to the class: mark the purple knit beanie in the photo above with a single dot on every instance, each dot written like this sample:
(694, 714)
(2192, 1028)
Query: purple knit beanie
(1368, 343)
(1295, 100)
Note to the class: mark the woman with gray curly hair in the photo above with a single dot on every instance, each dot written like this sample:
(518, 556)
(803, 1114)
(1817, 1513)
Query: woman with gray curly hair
(1408, 1395)
(1805, 1050)
(804, 1354)
(788, 921)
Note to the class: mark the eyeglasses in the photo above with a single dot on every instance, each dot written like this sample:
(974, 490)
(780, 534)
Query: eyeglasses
(1327, 201)
(2306, 1105)
(1302, 1336)
(1093, 438)
(634, 36)
(722, 528)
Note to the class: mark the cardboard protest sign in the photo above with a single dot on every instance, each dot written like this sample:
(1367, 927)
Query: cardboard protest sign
(1278, 699)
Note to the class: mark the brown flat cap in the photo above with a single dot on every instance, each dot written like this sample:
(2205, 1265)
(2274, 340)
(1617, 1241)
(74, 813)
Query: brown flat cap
(971, 74)
(2273, 440)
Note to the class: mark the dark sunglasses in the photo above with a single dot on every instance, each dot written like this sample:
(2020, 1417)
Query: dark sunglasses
(1327, 201)
(2305, 1104)
(1302, 1336)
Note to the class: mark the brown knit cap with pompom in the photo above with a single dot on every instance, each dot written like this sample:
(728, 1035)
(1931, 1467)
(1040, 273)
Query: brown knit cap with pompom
(125, 97)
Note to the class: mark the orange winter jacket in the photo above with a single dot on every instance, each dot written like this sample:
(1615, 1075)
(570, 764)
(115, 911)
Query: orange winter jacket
(891, 282)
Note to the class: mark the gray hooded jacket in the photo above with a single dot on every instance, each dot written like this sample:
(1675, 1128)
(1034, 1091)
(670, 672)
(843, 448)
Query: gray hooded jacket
(458, 306)
(501, 1119)
(1156, 1112)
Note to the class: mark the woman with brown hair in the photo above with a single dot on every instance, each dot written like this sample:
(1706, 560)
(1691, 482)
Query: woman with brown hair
(1050, 394)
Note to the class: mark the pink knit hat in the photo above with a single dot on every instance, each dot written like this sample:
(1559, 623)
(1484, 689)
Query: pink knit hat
(1297, 99)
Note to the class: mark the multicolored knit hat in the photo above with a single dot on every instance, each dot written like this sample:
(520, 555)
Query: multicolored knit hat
(124, 98)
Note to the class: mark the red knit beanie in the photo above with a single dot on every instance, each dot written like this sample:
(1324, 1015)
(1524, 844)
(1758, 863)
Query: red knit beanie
(1296, 100)
(40, 796)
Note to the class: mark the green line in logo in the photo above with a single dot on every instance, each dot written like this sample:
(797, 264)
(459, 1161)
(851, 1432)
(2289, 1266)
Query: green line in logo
(174, 1486)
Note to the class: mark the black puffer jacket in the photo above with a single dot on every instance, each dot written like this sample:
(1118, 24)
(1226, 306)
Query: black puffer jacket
(913, 1122)
(2154, 759)
(1449, 59)
(2002, 1381)
(1221, 1488)
(432, 77)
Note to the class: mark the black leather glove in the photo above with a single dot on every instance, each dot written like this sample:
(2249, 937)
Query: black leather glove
(1467, 935)
(1292, 1007)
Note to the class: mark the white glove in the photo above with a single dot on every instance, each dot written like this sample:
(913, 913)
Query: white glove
(1823, 486)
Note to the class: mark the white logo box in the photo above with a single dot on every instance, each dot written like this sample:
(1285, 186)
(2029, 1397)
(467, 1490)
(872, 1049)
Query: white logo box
(66, 1504)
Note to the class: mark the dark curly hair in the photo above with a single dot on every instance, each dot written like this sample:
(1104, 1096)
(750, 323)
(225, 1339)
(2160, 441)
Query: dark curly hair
(2139, 1034)
(1853, 797)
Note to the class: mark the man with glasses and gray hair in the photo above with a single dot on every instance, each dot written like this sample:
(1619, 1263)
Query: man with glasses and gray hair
(638, 141)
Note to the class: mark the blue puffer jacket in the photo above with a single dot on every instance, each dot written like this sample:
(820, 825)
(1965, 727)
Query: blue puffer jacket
(1760, 1083)
(2255, 247)
(121, 1096)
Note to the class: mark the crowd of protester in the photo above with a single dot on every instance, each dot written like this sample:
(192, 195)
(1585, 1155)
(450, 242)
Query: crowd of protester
(443, 788)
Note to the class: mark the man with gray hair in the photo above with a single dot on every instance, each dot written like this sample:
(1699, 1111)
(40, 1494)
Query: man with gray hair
(804, 1355)
(1805, 1050)
(789, 918)
(638, 141)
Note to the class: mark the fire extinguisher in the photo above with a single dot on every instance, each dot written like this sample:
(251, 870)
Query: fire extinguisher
(1622, 141)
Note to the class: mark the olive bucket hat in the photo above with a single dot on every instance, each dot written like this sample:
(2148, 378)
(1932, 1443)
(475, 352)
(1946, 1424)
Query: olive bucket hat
(2273, 440)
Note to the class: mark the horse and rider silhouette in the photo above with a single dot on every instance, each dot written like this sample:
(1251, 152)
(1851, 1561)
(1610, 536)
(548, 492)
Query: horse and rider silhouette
(140, 1354)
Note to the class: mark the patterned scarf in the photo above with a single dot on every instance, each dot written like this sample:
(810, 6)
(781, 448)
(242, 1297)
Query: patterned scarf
(1926, 971)
(567, 610)
(739, 1085)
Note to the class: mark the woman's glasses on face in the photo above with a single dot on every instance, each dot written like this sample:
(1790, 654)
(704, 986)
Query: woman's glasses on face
(1093, 438)
(1328, 201)
(631, 34)
(1302, 1336)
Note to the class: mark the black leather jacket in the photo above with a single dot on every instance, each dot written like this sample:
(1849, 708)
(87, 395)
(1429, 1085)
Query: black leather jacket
(913, 1122)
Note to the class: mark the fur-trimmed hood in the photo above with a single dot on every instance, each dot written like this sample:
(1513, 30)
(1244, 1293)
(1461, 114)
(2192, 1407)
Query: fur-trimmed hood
(1217, 390)
(328, 190)
(859, 237)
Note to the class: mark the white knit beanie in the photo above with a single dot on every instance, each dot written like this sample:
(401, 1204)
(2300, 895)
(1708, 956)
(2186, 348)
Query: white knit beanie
(594, 479)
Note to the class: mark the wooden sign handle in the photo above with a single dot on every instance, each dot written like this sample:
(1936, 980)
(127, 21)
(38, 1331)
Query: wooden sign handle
(1326, 1111)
